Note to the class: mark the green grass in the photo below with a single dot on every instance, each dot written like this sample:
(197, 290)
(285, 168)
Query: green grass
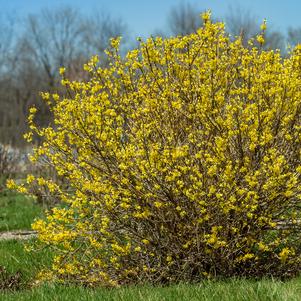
(234, 290)
(17, 211)
(15, 258)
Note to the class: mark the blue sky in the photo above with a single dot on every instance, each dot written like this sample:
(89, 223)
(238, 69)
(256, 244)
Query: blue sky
(144, 17)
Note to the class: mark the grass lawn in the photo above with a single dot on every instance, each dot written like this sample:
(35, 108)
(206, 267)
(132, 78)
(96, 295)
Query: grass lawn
(211, 291)
(15, 258)
(17, 212)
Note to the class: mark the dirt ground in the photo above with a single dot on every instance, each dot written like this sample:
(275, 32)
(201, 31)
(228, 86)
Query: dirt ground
(17, 234)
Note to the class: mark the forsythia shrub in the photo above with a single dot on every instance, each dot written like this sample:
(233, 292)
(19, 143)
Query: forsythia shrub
(184, 163)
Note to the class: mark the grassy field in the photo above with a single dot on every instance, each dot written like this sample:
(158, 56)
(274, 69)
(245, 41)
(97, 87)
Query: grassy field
(15, 258)
(18, 212)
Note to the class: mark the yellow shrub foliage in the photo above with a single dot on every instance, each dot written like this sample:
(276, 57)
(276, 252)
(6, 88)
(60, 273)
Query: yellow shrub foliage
(183, 160)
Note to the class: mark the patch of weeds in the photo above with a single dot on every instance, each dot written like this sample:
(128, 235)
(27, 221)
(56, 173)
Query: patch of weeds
(10, 281)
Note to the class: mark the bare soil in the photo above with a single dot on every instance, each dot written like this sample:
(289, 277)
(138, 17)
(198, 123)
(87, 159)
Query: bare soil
(17, 234)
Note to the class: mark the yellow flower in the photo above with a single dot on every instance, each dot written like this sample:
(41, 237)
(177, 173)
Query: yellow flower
(145, 241)
(284, 254)
(260, 39)
(32, 110)
(137, 249)
(158, 204)
(62, 70)
(263, 26)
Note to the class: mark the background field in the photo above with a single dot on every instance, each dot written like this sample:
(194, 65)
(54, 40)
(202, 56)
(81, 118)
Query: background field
(17, 212)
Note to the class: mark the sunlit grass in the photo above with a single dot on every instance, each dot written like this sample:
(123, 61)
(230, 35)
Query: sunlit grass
(234, 290)
(15, 258)
(17, 211)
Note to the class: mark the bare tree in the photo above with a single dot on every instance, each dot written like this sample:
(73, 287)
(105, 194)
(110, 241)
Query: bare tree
(63, 37)
(7, 41)
(184, 19)
(274, 40)
(30, 61)
(294, 36)
(240, 22)
(52, 38)
(98, 30)
(7, 67)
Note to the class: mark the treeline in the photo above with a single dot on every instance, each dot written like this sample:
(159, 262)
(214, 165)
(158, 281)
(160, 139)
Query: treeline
(33, 49)
(31, 53)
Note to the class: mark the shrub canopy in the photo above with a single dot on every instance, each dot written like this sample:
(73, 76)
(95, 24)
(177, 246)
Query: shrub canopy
(183, 162)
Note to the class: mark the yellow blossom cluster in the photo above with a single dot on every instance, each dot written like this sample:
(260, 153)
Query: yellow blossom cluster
(184, 161)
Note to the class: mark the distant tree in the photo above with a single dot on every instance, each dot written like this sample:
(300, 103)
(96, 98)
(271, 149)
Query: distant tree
(30, 61)
(184, 19)
(52, 38)
(97, 31)
(274, 40)
(7, 41)
(239, 22)
(8, 105)
(294, 36)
